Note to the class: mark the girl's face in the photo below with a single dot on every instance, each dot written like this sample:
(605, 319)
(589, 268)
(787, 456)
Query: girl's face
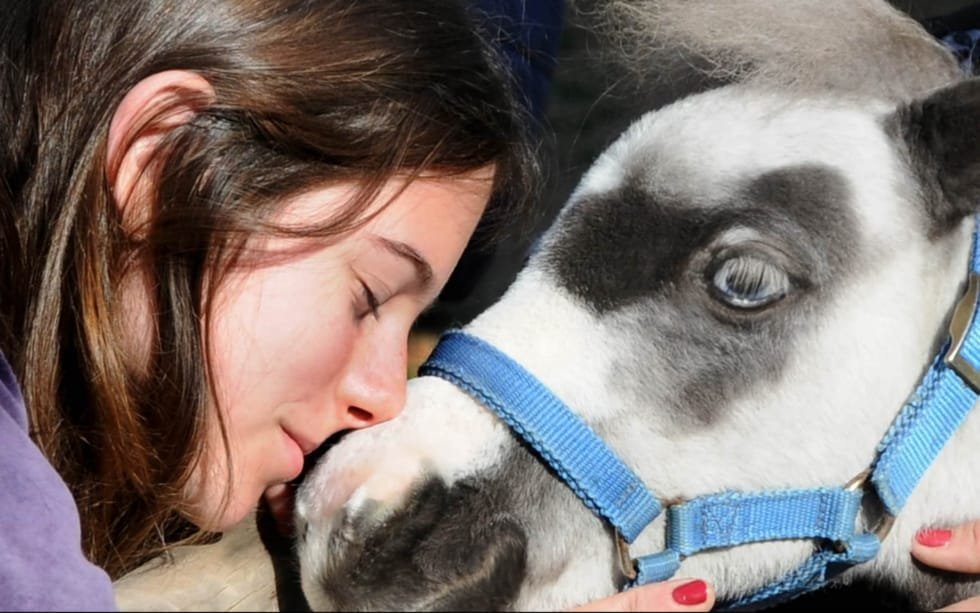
(313, 343)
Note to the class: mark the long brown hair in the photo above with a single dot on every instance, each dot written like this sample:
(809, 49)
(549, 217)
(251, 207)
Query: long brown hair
(307, 92)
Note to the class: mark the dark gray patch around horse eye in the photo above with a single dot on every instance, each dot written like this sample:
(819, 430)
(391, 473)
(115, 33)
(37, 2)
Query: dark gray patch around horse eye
(634, 242)
(658, 266)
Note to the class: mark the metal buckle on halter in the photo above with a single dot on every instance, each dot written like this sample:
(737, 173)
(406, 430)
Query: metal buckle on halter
(877, 518)
(959, 326)
(627, 565)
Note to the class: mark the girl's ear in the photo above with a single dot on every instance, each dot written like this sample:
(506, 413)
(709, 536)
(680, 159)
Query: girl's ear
(154, 107)
(942, 135)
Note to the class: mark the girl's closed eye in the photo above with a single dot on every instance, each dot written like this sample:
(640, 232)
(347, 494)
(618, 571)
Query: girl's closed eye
(371, 302)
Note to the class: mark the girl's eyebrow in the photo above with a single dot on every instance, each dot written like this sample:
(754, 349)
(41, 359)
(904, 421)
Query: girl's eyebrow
(423, 270)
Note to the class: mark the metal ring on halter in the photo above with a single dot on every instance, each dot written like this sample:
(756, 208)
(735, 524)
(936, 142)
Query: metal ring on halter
(627, 565)
(871, 506)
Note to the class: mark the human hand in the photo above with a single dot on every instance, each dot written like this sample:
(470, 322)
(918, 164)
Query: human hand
(677, 595)
(956, 549)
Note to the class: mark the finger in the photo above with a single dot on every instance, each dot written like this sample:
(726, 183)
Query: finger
(677, 595)
(970, 604)
(956, 549)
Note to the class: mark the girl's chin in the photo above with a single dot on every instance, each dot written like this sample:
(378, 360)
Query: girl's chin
(209, 516)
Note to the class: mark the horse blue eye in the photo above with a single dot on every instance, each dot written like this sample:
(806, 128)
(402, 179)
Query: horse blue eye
(746, 282)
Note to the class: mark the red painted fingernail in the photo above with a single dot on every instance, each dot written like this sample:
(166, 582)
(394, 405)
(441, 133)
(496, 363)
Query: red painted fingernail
(691, 593)
(933, 537)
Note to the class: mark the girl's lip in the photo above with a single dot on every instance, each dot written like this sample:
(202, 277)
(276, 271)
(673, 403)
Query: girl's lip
(296, 455)
(306, 446)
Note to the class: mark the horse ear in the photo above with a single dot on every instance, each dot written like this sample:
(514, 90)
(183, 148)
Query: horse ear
(942, 133)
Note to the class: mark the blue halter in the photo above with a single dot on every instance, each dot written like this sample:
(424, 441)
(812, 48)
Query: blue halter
(605, 484)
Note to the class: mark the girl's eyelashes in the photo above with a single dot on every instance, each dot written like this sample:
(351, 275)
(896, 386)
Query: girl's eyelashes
(371, 300)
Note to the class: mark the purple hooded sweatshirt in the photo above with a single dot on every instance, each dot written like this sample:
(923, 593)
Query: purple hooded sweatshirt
(42, 567)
